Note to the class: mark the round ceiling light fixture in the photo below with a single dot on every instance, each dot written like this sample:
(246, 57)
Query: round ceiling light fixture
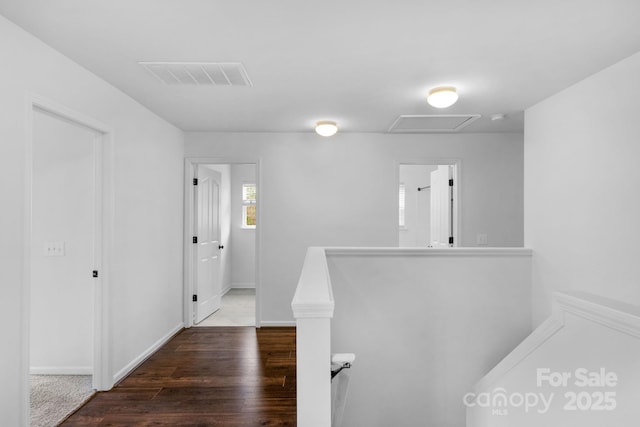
(326, 128)
(442, 96)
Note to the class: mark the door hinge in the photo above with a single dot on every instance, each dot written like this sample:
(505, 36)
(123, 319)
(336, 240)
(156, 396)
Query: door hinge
(195, 181)
(451, 183)
(451, 240)
(95, 273)
(194, 298)
(195, 239)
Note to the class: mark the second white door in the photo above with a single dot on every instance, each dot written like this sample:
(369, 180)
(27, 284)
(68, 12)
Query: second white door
(208, 287)
(441, 225)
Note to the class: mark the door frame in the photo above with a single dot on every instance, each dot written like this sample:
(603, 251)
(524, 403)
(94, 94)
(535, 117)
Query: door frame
(102, 240)
(457, 190)
(190, 164)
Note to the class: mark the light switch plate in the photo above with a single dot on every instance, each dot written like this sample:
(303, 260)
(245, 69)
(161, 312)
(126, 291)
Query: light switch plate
(54, 249)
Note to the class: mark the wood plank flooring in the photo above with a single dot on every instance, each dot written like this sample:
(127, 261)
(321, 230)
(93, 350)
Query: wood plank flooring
(205, 376)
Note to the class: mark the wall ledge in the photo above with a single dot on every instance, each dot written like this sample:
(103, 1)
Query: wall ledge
(613, 314)
(430, 252)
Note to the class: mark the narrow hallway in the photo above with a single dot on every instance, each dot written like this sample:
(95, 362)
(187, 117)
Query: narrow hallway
(223, 376)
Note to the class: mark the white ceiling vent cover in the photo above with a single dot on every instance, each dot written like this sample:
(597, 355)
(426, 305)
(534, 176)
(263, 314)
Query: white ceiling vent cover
(433, 123)
(199, 73)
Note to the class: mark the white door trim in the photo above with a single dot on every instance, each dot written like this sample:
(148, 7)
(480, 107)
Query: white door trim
(103, 214)
(188, 280)
(457, 190)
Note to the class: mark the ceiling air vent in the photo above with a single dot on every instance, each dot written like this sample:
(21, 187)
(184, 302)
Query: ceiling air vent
(199, 73)
(434, 123)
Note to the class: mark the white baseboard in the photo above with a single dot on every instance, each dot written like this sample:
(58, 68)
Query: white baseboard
(226, 289)
(277, 323)
(243, 285)
(145, 355)
(61, 370)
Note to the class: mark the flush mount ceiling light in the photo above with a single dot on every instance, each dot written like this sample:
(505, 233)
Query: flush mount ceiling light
(326, 128)
(442, 96)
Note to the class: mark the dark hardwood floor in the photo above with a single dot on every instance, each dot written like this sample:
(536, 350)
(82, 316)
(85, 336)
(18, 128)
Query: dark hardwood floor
(218, 376)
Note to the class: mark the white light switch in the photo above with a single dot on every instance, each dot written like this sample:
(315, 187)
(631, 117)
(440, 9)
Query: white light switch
(481, 240)
(54, 249)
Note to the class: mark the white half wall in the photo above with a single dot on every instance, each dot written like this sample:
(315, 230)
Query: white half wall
(145, 293)
(243, 240)
(425, 326)
(582, 202)
(342, 191)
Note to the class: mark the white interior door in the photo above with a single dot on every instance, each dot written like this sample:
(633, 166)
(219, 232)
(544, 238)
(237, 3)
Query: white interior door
(208, 287)
(440, 224)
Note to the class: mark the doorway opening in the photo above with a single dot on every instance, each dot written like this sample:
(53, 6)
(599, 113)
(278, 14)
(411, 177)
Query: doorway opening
(221, 212)
(64, 350)
(428, 207)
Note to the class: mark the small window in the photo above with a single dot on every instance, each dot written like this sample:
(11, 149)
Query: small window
(248, 206)
(401, 206)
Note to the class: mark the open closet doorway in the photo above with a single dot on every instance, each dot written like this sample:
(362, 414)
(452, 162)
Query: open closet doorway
(428, 208)
(223, 249)
(65, 266)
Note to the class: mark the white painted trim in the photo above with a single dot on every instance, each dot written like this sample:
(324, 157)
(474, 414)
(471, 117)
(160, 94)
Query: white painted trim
(314, 295)
(103, 239)
(431, 252)
(543, 333)
(188, 252)
(189, 169)
(243, 285)
(61, 370)
(122, 373)
(225, 290)
(618, 316)
(615, 315)
(278, 323)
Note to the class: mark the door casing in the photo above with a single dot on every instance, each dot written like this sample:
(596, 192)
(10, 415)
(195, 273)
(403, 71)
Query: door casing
(103, 220)
(189, 209)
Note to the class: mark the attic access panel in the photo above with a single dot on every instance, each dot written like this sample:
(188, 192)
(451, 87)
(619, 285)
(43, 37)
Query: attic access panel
(432, 123)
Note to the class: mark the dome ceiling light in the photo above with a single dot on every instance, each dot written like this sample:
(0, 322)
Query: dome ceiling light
(442, 96)
(326, 128)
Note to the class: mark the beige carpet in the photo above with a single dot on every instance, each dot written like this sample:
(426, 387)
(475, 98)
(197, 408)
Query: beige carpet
(238, 309)
(54, 397)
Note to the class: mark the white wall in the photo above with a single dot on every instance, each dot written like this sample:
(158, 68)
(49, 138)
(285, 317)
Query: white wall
(425, 325)
(582, 202)
(342, 191)
(417, 205)
(145, 295)
(243, 240)
(62, 286)
(225, 224)
(588, 337)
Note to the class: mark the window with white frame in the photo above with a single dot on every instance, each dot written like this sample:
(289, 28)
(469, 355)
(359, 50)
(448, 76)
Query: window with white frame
(248, 205)
(401, 222)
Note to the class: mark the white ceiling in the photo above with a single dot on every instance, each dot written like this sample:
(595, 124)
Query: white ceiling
(362, 63)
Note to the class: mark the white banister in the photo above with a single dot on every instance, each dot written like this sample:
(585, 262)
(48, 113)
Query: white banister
(313, 309)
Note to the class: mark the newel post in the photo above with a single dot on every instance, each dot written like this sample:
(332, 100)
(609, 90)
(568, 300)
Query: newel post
(313, 309)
